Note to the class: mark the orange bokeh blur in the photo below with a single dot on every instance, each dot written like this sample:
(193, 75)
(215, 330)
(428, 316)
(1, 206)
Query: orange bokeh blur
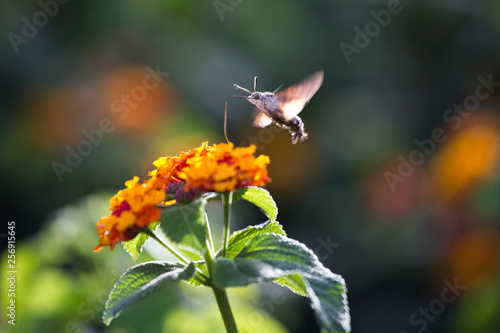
(475, 257)
(135, 100)
(50, 116)
(388, 204)
(465, 160)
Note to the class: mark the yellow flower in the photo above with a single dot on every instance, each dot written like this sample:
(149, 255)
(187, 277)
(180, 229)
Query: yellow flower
(133, 208)
(220, 168)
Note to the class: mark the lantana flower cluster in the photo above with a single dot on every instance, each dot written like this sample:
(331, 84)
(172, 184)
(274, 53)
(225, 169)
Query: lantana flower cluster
(217, 168)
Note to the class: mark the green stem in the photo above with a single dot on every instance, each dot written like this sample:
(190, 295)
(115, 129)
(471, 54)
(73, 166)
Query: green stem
(228, 198)
(210, 263)
(225, 310)
(174, 252)
(220, 294)
(209, 240)
(168, 247)
(209, 255)
(222, 300)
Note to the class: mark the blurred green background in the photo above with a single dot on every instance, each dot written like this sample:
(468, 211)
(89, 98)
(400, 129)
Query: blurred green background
(398, 239)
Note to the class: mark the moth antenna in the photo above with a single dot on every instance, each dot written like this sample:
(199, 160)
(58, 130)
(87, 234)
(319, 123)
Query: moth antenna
(255, 84)
(241, 88)
(225, 114)
(277, 89)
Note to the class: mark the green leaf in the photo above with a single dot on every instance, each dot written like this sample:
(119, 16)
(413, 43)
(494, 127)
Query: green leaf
(259, 197)
(241, 238)
(274, 257)
(202, 266)
(327, 292)
(134, 246)
(184, 225)
(140, 281)
(294, 283)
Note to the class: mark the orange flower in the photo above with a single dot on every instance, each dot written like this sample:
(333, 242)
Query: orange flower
(220, 168)
(132, 209)
(167, 168)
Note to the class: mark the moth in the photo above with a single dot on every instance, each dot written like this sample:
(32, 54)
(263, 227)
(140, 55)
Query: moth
(282, 107)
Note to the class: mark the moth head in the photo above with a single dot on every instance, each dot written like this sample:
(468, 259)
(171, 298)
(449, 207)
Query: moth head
(255, 98)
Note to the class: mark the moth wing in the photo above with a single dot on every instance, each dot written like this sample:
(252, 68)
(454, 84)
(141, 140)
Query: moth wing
(261, 119)
(293, 99)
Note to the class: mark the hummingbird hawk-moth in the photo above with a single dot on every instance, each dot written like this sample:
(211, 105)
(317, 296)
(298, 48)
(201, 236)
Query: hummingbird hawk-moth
(282, 107)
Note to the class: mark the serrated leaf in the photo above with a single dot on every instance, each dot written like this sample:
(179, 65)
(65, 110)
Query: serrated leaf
(134, 246)
(261, 198)
(241, 238)
(202, 266)
(327, 292)
(269, 252)
(184, 226)
(273, 257)
(242, 272)
(140, 281)
(258, 196)
(294, 283)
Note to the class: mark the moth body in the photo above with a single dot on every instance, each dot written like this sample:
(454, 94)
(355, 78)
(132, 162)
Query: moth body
(283, 107)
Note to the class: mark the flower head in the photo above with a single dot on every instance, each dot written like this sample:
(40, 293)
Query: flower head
(220, 168)
(167, 167)
(133, 208)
